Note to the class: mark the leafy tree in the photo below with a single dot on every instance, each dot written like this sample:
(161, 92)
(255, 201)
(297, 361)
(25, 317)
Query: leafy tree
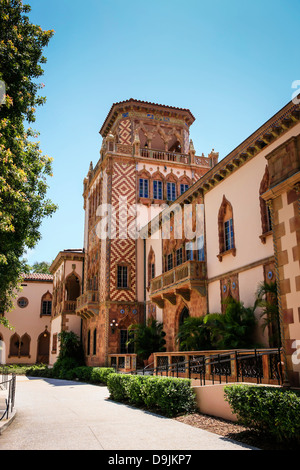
(42, 267)
(23, 168)
(148, 338)
(70, 354)
(70, 346)
(267, 299)
(194, 335)
(233, 329)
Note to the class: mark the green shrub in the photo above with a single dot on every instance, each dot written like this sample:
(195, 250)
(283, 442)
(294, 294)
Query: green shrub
(38, 371)
(273, 410)
(82, 373)
(134, 389)
(62, 366)
(170, 396)
(116, 384)
(100, 374)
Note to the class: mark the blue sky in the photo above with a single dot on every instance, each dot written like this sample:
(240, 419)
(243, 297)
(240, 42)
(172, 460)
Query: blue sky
(232, 63)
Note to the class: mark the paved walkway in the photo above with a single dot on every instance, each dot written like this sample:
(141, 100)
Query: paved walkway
(63, 415)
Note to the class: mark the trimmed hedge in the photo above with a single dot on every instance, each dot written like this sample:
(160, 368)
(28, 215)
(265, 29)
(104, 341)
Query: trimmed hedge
(168, 395)
(273, 410)
(95, 375)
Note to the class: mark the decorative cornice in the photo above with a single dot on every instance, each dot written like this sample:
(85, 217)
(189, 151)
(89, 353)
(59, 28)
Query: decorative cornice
(126, 105)
(268, 133)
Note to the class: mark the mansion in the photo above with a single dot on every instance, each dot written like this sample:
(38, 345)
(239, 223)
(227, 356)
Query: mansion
(170, 234)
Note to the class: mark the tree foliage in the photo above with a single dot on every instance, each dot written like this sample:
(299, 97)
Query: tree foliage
(42, 267)
(230, 330)
(194, 335)
(267, 299)
(23, 168)
(148, 338)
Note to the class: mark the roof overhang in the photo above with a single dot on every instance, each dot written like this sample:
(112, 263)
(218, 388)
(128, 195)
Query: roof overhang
(127, 105)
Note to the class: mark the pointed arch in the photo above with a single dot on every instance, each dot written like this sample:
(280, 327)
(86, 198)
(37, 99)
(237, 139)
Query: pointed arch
(171, 187)
(46, 303)
(43, 347)
(266, 223)
(25, 345)
(72, 284)
(226, 229)
(151, 265)
(14, 345)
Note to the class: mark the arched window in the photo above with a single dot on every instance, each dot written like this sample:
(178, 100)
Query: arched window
(151, 265)
(25, 345)
(157, 186)
(143, 187)
(171, 187)
(183, 315)
(14, 346)
(144, 178)
(266, 223)
(19, 346)
(184, 183)
(226, 229)
(46, 304)
(88, 346)
(95, 341)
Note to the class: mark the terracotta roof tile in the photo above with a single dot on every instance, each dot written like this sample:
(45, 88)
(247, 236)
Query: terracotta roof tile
(38, 277)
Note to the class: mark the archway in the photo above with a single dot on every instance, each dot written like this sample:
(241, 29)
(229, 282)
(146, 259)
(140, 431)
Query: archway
(183, 315)
(43, 348)
(72, 287)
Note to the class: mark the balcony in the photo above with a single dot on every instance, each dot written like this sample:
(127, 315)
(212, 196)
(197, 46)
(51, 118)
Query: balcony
(69, 306)
(165, 156)
(87, 305)
(175, 157)
(180, 280)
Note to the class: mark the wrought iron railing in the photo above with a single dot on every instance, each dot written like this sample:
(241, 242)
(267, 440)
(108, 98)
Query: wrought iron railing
(262, 366)
(7, 393)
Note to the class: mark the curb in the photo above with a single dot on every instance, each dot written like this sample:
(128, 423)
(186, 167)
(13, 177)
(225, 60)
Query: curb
(6, 422)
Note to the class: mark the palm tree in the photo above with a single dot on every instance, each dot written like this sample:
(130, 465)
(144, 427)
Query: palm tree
(234, 328)
(147, 338)
(267, 299)
(193, 335)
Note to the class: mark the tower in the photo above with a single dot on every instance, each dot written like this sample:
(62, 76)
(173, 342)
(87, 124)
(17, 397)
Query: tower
(146, 161)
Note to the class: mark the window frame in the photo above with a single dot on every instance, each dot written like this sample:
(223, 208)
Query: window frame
(170, 263)
(122, 285)
(183, 188)
(144, 188)
(179, 256)
(171, 191)
(228, 234)
(159, 190)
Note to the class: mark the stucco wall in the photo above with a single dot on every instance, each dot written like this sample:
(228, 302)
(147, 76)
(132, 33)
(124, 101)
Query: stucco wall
(27, 320)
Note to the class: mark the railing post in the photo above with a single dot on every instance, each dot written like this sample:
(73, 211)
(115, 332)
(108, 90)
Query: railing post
(266, 367)
(236, 366)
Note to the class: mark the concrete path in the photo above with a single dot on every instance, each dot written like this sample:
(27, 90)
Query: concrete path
(63, 415)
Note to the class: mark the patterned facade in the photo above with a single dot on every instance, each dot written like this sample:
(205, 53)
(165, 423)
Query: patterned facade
(242, 213)
(146, 160)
